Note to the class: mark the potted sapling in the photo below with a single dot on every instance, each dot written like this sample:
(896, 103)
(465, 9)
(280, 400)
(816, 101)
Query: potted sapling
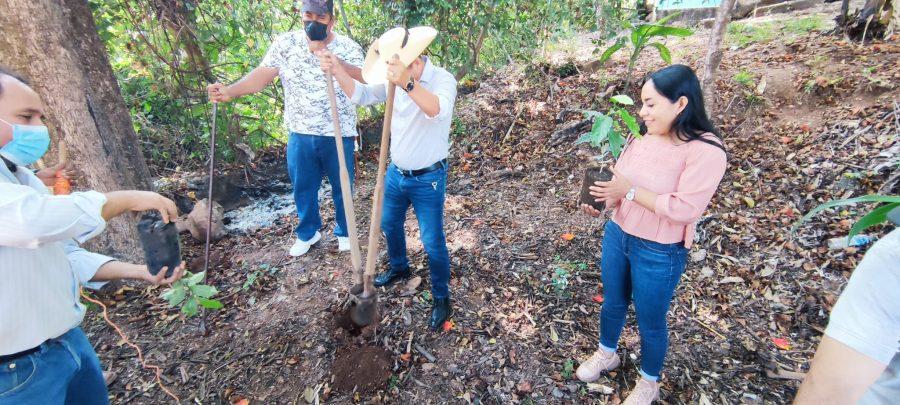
(608, 133)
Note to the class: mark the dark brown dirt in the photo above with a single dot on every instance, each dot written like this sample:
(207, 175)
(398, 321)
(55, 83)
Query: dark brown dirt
(343, 320)
(364, 369)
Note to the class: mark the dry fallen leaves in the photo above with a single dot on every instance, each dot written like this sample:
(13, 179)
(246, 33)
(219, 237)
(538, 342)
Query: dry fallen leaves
(782, 343)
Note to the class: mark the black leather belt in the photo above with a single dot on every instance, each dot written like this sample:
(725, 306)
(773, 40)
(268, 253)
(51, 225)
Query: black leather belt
(413, 173)
(15, 356)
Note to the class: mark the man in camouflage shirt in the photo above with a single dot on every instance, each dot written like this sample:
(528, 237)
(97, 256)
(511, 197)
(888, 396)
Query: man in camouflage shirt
(311, 152)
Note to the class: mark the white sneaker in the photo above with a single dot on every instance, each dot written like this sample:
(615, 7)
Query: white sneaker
(343, 243)
(300, 247)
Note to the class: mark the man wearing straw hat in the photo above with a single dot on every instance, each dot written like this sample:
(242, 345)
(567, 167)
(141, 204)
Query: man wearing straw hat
(420, 132)
(311, 151)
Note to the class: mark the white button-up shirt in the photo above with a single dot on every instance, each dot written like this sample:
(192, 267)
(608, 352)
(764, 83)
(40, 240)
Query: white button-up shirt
(417, 140)
(41, 264)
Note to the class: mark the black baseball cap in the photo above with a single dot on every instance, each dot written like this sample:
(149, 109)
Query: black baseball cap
(320, 7)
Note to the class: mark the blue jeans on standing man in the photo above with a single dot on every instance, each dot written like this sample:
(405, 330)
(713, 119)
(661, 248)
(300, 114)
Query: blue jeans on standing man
(646, 272)
(426, 194)
(309, 158)
(64, 370)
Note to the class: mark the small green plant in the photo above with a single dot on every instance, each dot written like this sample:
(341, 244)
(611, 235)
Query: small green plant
(458, 129)
(742, 34)
(753, 98)
(809, 86)
(873, 80)
(874, 217)
(804, 25)
(568, 369)
(191, 294)
(253, 276)
(394, 380)
(562, 274)
(560, 280)
(609, 133)
(745, 78)
(640, 35)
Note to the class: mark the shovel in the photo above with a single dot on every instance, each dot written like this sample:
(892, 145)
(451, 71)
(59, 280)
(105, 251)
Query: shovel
(366, 310)
(346, 192)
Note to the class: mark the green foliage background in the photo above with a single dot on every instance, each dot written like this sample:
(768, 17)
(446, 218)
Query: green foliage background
(165, 52)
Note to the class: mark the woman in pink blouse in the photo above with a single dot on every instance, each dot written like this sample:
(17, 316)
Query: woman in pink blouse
(663, 182)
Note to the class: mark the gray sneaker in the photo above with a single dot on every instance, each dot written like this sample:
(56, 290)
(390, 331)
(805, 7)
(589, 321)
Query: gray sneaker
(600, 361)
(644, 393)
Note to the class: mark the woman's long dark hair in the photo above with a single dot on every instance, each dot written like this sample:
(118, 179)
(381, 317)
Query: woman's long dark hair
(676, 81)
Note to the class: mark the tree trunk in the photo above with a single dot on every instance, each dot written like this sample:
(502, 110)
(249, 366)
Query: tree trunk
(55, 44)
(714, 54)
(874, 21)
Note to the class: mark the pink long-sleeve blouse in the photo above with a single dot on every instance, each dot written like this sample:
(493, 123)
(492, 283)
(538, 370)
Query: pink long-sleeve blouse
(685, 176)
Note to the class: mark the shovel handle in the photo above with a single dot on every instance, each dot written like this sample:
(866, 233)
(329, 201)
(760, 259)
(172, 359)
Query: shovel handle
(346, 191)
(378, 200)
(209, 195)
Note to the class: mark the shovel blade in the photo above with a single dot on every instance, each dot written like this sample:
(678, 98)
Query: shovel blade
(365, 312)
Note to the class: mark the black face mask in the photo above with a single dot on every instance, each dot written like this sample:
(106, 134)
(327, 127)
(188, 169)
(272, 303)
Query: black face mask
(315, 30)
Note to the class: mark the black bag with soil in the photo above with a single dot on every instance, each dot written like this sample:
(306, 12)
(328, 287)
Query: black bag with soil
(161, 244)
(592, 175)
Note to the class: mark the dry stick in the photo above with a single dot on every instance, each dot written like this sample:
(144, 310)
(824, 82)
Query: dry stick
(516, 119)
(721, 336)
(346, 191)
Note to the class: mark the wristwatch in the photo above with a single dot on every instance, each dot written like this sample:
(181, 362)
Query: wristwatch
(630, 195)
(410, 86)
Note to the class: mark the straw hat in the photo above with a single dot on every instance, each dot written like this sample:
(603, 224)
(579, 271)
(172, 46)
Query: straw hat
(406, 44)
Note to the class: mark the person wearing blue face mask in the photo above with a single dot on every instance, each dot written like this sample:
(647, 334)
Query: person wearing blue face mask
(311, 150)
(45, 357)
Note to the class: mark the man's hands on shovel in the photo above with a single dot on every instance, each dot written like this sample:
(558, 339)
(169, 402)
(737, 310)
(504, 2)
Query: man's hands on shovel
(330, 63)
(398, 73)
(218, 93)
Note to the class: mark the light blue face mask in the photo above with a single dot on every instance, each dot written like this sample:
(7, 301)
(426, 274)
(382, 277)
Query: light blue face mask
(28, 144)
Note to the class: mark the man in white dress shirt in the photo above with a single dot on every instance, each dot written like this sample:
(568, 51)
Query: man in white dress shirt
(45, 357)
(420, 144)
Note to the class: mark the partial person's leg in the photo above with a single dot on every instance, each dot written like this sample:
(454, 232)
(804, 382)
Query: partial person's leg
(427, 193)
(655, 272)
(616, 276)
(332, 168)
(396, 204)
(88, 385)
(306, 177)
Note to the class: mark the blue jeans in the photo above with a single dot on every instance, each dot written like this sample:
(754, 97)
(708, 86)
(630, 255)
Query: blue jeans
(646, 272)
(309, 158)
(426, 195)
(65, 370)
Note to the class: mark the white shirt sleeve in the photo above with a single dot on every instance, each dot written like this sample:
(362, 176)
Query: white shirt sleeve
(867, 315)
(368, 94)
(445, 90)
(30, 219)
(85, 264)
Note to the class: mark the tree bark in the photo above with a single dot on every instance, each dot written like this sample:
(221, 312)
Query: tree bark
(714, 54)
(55, 44)
(872, 22)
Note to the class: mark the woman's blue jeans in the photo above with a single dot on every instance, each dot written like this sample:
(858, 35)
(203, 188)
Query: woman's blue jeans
(646, 273)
